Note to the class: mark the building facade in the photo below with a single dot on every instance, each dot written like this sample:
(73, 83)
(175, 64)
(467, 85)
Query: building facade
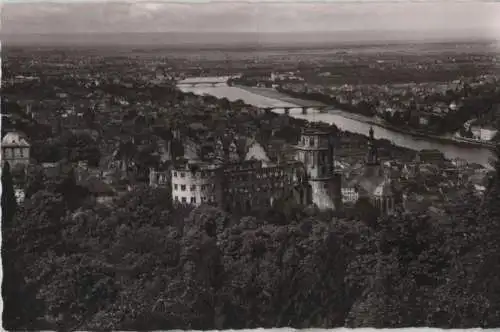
(242, 186)
(194, 183)
(15, 149)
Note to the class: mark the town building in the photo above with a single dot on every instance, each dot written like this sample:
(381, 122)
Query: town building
(487, 133)
(373, 184)
(15, 149)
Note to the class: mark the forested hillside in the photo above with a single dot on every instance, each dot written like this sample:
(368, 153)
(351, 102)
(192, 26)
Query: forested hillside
(142, 263)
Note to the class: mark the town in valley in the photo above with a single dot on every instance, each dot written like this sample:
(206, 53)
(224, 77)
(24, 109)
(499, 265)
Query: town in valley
(200, 186)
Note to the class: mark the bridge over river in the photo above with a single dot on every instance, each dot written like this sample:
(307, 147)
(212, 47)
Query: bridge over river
(303, 108)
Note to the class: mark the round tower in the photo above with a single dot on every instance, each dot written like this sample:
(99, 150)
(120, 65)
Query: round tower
(316, 151)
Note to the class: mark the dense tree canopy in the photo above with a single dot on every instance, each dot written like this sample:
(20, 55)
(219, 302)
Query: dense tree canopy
(142, 263)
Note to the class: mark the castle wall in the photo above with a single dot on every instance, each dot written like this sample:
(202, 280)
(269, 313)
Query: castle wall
(159, 178)
(246, 189)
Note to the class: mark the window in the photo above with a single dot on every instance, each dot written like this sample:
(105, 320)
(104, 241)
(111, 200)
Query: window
(184, 200)
(176, 198)
(183, 175)
(175, 174)
(193, 200)
(176, 186)
(183, 187)
(193, 187)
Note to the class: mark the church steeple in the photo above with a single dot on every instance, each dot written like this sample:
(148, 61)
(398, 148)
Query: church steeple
(372, 155)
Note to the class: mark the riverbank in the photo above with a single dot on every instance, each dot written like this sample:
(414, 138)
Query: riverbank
(270, 93)
(416, 134)
(349, 122)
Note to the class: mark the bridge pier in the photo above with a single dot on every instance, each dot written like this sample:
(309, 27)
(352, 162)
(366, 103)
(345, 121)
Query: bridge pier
(287, 110)
(304, 110)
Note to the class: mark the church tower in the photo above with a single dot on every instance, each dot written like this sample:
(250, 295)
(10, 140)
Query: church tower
(316, 151)
(372, 161)
(372, 155)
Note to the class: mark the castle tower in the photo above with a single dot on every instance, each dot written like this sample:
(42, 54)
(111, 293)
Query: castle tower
(316, 151)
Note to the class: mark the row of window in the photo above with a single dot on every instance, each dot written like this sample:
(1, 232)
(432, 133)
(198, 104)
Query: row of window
(193, 187)
(183, 174)
(192, 199)
(259, 176)
(12, 152)
(311, 141)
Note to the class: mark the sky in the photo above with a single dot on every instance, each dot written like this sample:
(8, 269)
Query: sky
(449, 17)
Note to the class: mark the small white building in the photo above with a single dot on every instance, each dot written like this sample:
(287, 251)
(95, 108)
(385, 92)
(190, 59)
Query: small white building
(483, 133)
(487, 133)
(476, 131)
(15, 149)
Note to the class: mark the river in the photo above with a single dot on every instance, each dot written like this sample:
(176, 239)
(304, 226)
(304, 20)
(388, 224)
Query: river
(477, 155)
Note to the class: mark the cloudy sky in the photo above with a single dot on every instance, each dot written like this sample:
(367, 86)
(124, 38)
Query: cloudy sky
(94, 16)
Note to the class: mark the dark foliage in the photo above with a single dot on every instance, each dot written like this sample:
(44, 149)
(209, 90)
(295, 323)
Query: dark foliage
(142, 263)
(9, 203)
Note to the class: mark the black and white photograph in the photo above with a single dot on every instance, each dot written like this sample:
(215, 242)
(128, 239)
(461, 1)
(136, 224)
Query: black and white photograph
(240, 165)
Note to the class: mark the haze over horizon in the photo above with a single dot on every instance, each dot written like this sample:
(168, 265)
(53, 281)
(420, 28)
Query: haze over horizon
(253, 21)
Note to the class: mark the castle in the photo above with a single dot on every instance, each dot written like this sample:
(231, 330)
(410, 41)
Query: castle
(235, 185)
(245, 185)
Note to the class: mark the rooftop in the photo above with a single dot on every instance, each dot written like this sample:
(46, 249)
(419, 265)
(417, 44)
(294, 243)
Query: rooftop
(15, 139)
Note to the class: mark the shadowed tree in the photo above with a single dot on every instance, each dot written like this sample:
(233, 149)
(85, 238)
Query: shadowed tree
(9, 203)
